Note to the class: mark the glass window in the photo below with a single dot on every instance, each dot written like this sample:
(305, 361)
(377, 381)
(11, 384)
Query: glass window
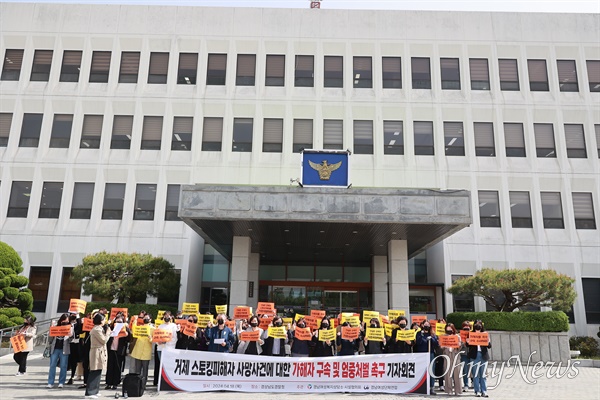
(392, 72)
(520, 210)
(591, 299)
(514, 140)
(18, 204)
(145, 200)
(334, 72)
(69, 289)
(212, 134)
(188, 68)
(159, 68)
(11, 69)
(271, 273)
(100, 66)
(121, 133)
(509, 74)
(51, 197)
(91, 132)
(363, 137)
(538, 75)
(114, 196)
(593, 70)
(83, 197)
(302, 135)
(393, 137)
(304, 71)
(130, 67)
(567, 76)
(246, 69)
(544, 140)
(329, 273)
(423, 138)
(242, 135)
(31, 129)
(333, 134)
(489, 209)
(552, 210)
(215, 267)
(575, 141)
(454, 140)
(152, 132)
(480, 74)
(42, 62)
(272, 135)
(450, 73)
(363, 72)
(356, 274)
(583, 208)
(216, 71)
(484, 139)
(182, 133)
(275, 70)
(61, 131)
(421, 73)
(71, 65)
(5, 123)
(462, 302)
(39, 281)
(422, 300)
(301, 273)
(172, 207)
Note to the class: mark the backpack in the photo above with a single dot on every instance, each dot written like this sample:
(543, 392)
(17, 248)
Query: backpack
(133, 385)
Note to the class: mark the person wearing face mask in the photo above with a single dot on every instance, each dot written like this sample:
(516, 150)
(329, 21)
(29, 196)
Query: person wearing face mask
(371, 346)
(452, 371)
(167, 325)
(346, 347)
(220, 336)
(142, 350)
(99, 336)
(274, 346)
(251, 347)
(427, 342)
(464, 357)
(60, 350)
(400, 346)
(28, 331)
(195, 342)
(479, 357)
(299, 348)
(117, 350)
(323, 348)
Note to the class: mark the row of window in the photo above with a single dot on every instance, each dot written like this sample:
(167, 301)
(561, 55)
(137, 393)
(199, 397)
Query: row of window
(302, 134)
(304, 70)
(520, 210)
(83, 195)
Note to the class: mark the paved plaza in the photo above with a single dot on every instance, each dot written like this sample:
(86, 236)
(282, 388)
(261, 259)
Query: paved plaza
(586, 385)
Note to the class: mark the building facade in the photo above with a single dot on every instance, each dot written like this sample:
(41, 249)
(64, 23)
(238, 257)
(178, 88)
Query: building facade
(118, 122)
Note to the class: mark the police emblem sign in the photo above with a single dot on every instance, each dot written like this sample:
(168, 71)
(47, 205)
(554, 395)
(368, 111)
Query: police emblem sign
(328, 168)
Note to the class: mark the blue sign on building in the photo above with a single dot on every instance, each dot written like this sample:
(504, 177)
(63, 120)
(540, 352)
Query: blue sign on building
(325, 168)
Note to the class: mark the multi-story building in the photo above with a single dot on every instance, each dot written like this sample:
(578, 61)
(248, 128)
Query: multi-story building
(475, 141)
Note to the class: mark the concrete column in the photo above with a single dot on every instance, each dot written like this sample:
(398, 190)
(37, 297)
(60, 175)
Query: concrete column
(253, 277)
(240, 263)
(398, 275)
(380, 284)
(191, 277)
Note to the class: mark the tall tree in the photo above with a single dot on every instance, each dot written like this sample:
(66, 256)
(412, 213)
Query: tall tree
(16, 300)
(509, 289)
(125, 277)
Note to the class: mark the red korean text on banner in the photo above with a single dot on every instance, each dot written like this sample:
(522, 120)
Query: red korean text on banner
(18, 343)
(62, 330)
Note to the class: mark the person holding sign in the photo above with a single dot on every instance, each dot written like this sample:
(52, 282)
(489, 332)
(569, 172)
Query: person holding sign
(117, 350)
(300, 345)
(323, 348)
(427, 342)
(99, 336)
(274, 346)
(220, 337)
(142, 348)
(479, 356)
(60, 349)
(27, 331)
(190, 338)
(464, 356)
(374, 346)
(400, 346)
(450, 344)
(251, 346)
(346, 347)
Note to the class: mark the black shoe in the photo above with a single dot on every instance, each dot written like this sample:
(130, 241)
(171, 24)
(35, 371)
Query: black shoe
(82, 386)
(70, 381)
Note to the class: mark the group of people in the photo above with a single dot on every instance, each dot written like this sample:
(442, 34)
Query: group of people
(97, 350)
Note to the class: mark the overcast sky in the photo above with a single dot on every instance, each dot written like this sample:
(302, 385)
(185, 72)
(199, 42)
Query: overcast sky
(579, 6)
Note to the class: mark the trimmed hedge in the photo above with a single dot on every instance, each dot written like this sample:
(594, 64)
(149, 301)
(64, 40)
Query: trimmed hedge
(587, 345)
(547, 321)
(132, 309)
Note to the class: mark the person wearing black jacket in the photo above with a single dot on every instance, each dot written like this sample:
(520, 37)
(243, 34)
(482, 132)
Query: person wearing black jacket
(323, 348)
(400, 346)
(117, 350)
(195, 342)
(374, 347)
(346, 347)
(272, 346)
(479, 357)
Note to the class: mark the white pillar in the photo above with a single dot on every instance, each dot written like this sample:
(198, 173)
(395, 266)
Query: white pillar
(398, 275)
(240, 263)
(380, 284)
(253, 277)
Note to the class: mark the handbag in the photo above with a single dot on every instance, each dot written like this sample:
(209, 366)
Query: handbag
(46, 352)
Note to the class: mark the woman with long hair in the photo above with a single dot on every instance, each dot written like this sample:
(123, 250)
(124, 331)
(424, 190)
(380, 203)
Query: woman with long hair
(28, 331)
(99, 336)
(60, 350)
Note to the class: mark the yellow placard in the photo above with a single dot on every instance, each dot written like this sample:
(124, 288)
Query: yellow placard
(327, 334)
(277, 332)
(221, 309)
(375, 334)
(190, 308)
(409, 334)
(393, 314)
(369, 315)
(440, 329)
(287, 320)
(389, 328)
(204, 319)
(159, 318)
(77, 306)
(140, 331)
(298, 316)
(351, 319)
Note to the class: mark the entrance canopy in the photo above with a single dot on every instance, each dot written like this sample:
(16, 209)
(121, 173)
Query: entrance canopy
(301, 224)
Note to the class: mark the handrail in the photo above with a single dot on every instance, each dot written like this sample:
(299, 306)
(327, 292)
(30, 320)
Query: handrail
(41, 337)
